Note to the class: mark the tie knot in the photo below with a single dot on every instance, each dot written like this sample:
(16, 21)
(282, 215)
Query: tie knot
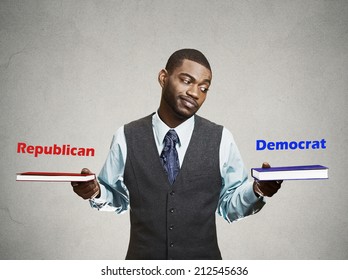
(171, 136)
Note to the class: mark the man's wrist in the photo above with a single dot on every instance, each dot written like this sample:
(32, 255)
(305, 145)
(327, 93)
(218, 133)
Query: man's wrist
(257, 190)
(97, 193)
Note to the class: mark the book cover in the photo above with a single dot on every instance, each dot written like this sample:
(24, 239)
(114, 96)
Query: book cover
(54, 177)
(303, 172)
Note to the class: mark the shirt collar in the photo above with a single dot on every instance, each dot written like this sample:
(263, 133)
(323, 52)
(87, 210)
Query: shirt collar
(183, 130)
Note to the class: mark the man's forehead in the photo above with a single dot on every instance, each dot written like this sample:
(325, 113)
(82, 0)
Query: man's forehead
(194, 69)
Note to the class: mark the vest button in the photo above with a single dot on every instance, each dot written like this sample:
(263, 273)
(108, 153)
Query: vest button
(172, 210)
(172, 193)
(171, 227)
(171, 244)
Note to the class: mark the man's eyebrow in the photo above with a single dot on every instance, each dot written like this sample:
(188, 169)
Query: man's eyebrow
(194, 79)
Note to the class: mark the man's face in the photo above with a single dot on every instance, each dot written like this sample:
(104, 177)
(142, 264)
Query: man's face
(185, 89)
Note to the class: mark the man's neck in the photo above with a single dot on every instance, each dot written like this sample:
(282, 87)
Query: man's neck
(170, 120)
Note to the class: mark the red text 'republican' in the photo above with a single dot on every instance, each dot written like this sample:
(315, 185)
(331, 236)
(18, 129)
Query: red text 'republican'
(56, 150)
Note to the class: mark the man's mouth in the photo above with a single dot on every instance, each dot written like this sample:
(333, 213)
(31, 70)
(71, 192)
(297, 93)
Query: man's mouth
(189, 102)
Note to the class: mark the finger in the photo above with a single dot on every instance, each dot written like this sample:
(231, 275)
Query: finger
(83, 188)
(74, 184)
(92, 192)
(265, 165)
(80, 185)
(86, 195)
(269, 188)
(88, 189)
(86, 171)
(270, 192)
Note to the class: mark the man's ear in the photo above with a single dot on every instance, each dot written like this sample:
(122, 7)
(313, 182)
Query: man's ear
(162, 77)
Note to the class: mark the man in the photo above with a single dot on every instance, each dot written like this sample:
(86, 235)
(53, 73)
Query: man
(174, 170)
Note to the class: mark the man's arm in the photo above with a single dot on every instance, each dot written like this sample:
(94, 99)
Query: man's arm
(238, 197)
(113, 194)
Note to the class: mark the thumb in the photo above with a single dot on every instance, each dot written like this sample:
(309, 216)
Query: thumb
(265, 165)
(86, 171)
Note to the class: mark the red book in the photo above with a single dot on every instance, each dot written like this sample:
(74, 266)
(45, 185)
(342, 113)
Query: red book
(54, 177)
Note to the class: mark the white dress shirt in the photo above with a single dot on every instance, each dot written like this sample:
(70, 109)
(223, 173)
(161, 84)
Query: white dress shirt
(237, 198)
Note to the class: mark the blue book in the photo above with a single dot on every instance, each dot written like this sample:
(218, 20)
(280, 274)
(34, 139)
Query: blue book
(303, 172)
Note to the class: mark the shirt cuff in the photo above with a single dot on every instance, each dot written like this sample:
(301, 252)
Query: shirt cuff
(250, 195)
(98, 202)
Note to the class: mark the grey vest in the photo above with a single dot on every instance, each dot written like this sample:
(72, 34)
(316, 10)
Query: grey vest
(178, 221)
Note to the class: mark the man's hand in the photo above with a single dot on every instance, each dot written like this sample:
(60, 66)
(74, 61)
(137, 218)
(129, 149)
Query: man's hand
(266, 188)
(86, 190)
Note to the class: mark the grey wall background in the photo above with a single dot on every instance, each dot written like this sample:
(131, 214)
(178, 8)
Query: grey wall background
(72, 72)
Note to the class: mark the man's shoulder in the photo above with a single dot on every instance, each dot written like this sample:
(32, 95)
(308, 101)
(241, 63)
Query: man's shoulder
(144, 121)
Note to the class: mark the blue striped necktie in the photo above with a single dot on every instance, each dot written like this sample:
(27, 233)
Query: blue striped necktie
(169, 156)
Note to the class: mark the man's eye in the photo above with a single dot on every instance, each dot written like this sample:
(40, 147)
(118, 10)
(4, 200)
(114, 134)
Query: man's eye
(186, 81)
(203, 89)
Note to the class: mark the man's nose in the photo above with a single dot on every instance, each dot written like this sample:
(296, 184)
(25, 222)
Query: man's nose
(193, 91)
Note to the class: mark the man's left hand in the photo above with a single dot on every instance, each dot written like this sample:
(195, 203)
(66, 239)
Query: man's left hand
(266, 188)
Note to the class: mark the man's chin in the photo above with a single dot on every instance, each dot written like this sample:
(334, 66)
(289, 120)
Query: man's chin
(185, 114)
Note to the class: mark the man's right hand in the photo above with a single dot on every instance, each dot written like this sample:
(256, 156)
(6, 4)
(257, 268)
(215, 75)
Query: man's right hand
(86, 190)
